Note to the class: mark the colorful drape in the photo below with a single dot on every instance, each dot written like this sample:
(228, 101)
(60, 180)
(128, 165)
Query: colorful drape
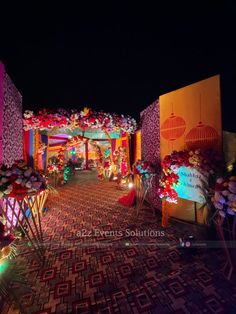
(29, 147)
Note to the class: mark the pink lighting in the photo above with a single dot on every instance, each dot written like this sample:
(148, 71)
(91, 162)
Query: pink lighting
(10, 205)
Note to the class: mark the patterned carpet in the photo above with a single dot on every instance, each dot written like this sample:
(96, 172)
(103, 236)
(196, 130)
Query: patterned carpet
(95, 264)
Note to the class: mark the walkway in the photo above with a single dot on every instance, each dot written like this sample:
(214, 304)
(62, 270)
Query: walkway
(100, 260)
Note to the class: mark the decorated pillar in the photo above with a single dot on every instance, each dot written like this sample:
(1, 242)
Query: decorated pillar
(128, 151)
(29, 147)
(1, 110)
(44, 139)
(86, 155)
(110, 140)
(11, 128)
(137, 146)
(36, 148)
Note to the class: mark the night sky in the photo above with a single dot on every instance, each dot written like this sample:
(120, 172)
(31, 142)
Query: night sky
(119, 58)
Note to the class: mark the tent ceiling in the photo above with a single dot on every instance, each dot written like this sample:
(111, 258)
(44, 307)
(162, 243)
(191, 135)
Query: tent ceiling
(90, 133)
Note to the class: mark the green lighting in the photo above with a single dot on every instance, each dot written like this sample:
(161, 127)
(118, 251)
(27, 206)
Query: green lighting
(66, 172)
(3, 266)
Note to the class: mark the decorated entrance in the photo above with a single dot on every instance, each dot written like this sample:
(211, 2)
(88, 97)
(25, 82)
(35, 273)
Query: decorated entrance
(65, 141)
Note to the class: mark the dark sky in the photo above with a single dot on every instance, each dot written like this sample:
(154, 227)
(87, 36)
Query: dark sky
(119, 58)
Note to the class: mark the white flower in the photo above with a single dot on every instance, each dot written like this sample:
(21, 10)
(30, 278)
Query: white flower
(28, 114)
(225, 192)
(222, 213)
(83, 114)
(28, 185)
(218, 205)
(220, 180)
(18, 181)
(174, 168)
(9, 189)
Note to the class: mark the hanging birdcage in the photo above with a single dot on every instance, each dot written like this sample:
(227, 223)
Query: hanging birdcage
(202, 136)
(173, 127)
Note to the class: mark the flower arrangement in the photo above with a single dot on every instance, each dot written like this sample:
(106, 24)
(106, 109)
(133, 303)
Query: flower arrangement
(120, 161)
(58, 163)
(54, 168)
(143, 168)
(100, 171)
(20, 179)
(224, 198)
(86, 118)
(206, 162)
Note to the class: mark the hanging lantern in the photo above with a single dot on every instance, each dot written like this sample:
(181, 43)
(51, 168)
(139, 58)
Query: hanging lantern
(173, 127)
(202, 136)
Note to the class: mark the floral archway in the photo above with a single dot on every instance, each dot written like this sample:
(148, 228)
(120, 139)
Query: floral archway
(80, 125)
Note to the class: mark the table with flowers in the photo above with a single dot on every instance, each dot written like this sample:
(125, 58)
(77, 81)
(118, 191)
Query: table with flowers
(23, 193)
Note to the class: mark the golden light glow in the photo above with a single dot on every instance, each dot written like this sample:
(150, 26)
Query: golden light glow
(230, 167)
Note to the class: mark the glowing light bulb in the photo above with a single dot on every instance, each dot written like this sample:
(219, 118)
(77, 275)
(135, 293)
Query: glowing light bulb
(130, 185)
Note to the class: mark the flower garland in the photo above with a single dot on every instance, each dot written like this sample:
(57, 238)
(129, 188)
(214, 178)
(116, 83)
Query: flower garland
(87, 118)
(20, 180)
(58, 164)
(120, 161)
(75, 140)
(224, 199)
(205, 161)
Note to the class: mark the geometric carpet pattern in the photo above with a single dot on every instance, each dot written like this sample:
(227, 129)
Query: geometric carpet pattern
(101, 257)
